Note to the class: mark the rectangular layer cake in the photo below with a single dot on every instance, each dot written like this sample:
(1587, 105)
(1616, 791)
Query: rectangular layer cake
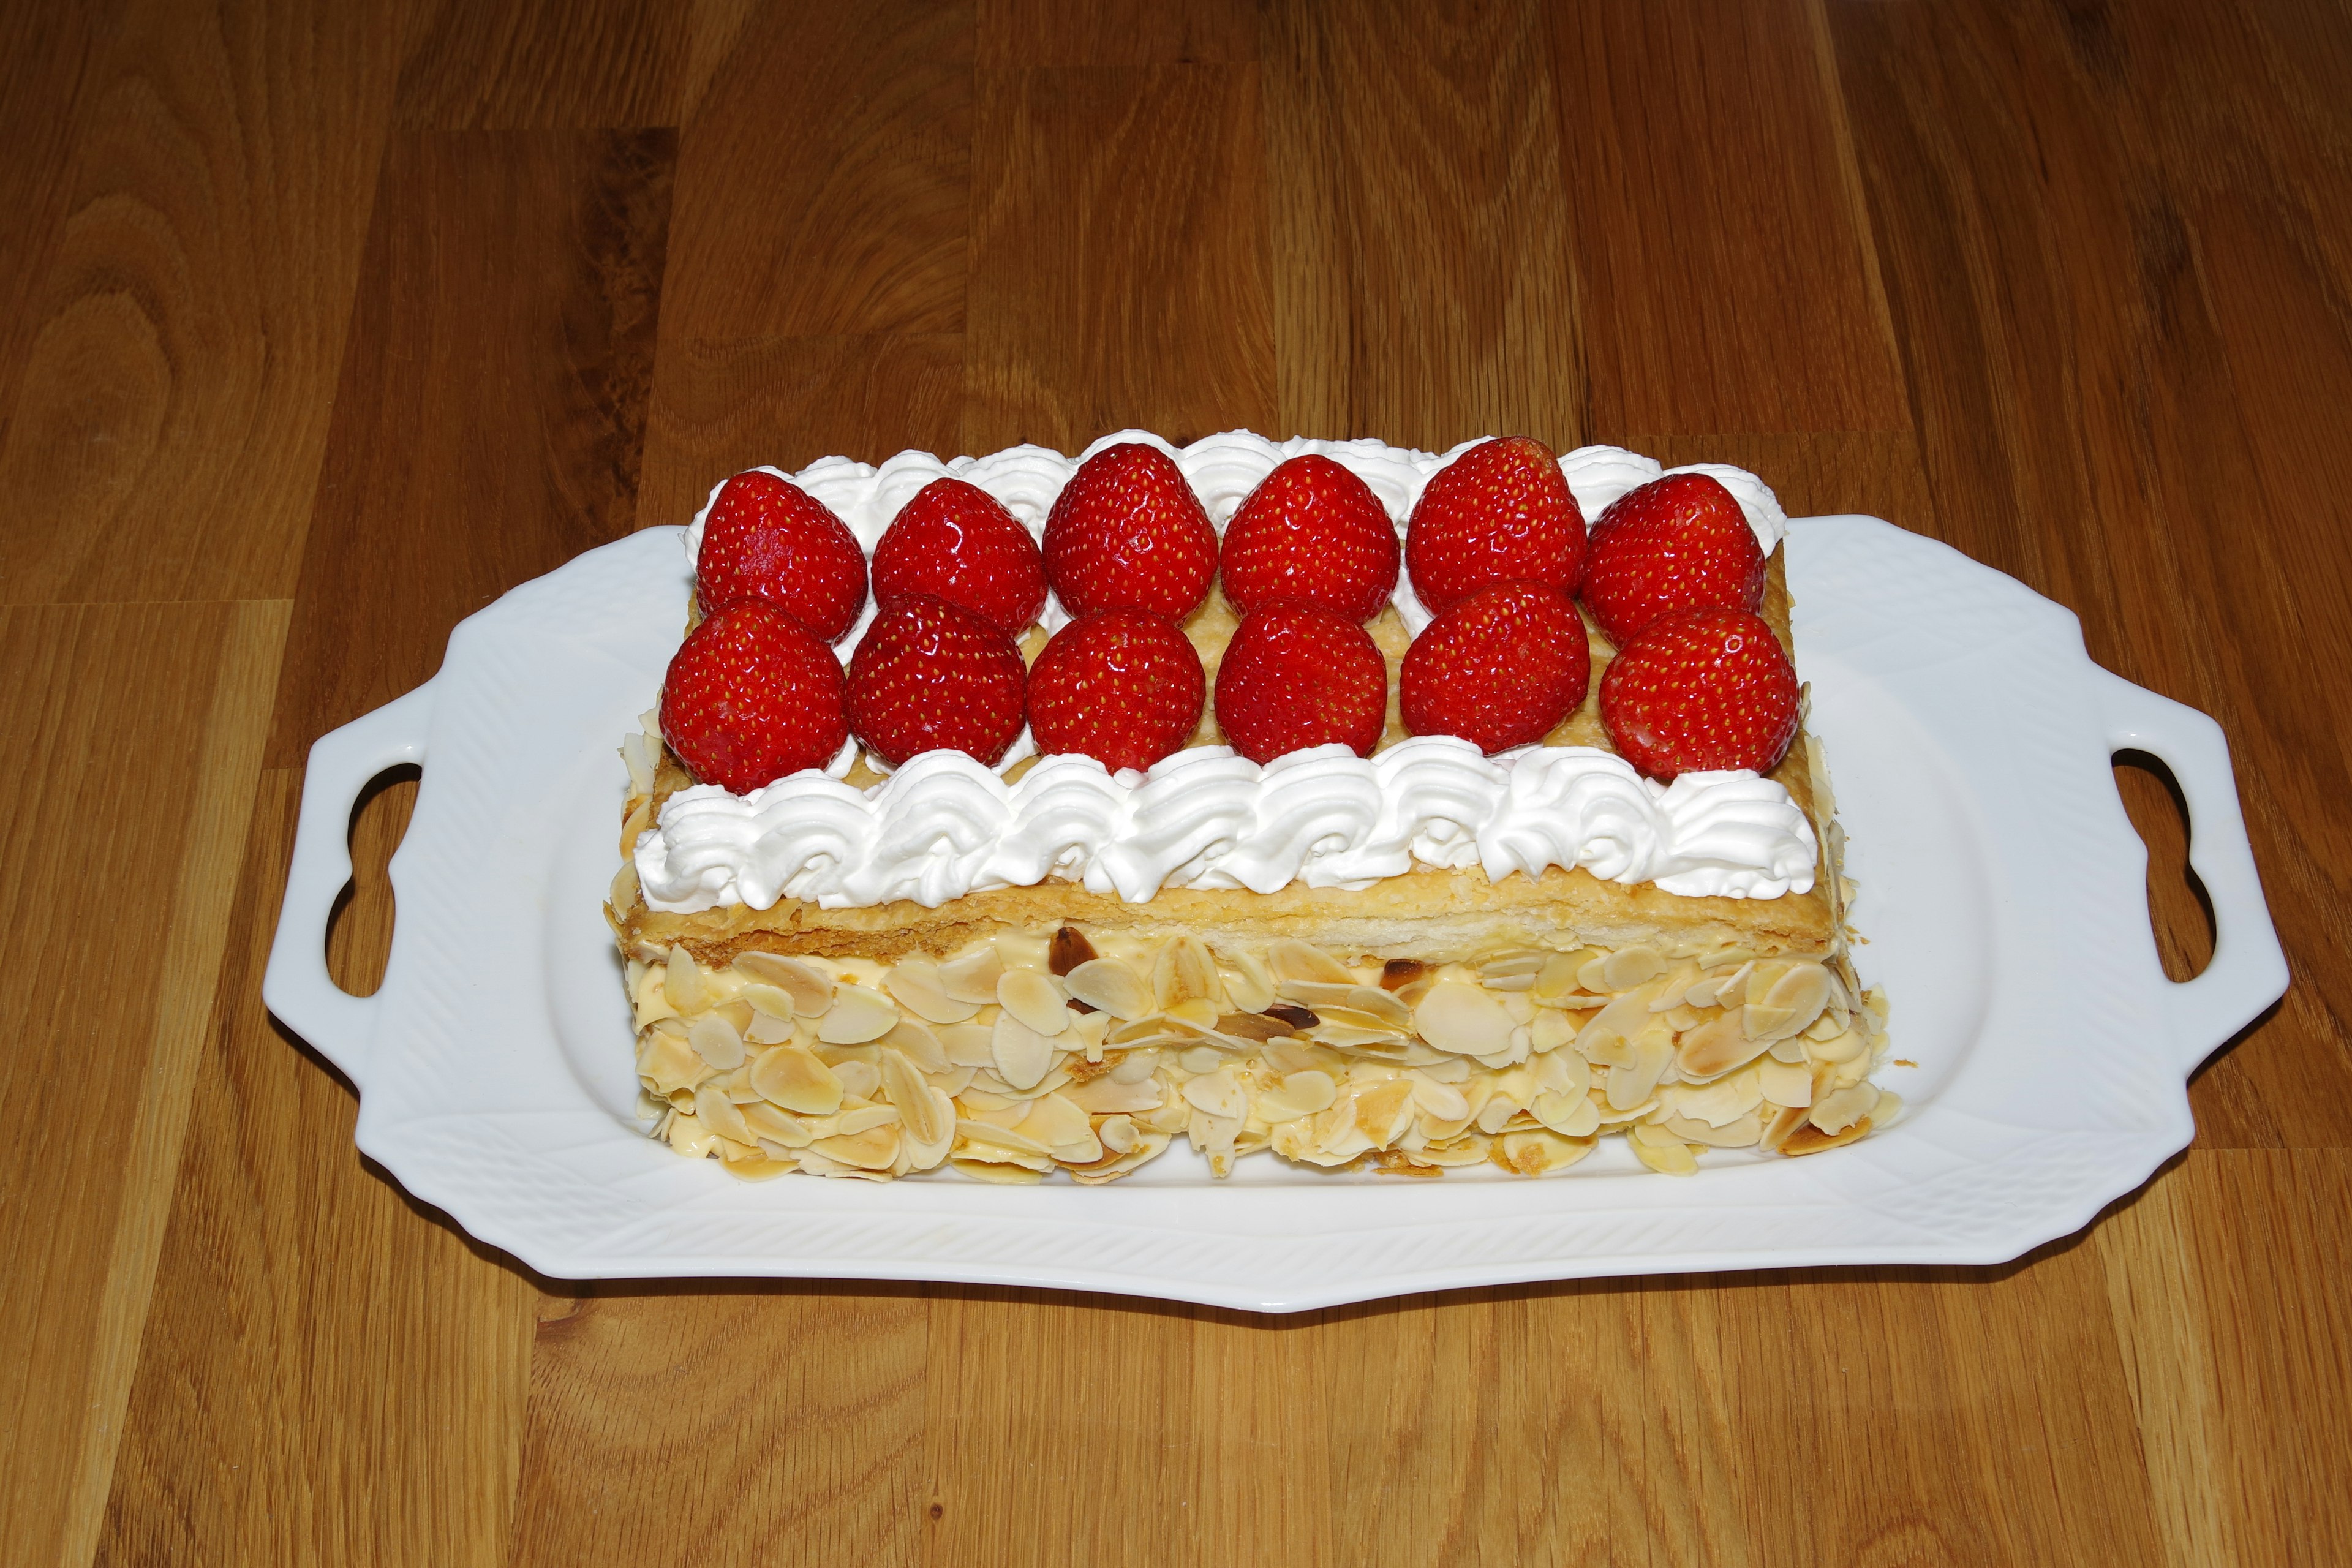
(889, 998)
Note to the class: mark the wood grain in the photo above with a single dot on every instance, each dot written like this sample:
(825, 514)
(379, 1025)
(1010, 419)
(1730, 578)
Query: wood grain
(331, 1372)
(133, 695)
(1726, 281)
(172, 406)
(1424, 286)
(823, 178)
(1118, 258)
(505, 322)
(322, 324)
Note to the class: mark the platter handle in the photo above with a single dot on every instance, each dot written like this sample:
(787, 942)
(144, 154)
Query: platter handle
(2248, 972)
(297, 986)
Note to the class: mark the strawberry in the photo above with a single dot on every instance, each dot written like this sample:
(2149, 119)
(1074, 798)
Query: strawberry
(1499, 669)
(1311, 530)
(1123, 687)
(956, 541)
(1127, 533)
(1298, 675)
(1676, 543)
(1500, 513)
(930, 676)
(767, 538)
(751, 697)
(1701, 691)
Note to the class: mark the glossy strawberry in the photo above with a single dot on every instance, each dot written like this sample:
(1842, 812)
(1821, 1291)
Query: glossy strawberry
(930, 676)
(1700, 691)
(766, 538)
(1500, 513)
(1298, 675)
(1499, 669)
(1311, 530)
(955, 541)
(1128, 534)
(1123, 687)
(1680, 542)
(751, 697)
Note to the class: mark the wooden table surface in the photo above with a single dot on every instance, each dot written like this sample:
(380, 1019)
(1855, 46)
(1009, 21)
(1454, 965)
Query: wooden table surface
(321, 324)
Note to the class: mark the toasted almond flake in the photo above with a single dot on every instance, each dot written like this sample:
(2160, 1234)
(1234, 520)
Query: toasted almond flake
(770, 1125)
(714, 1040)
(810, 987)
(1118, 1135)
(1631, 1086)
(1462, 1019)
(1297, 1094)
(691, 1138)
(1807, 1139)
(622, 894)
(914, 982)
(857, 1014)
(860, 1075)
(921, 1044)
(1538, 1152)
(651, 997)
(792, 1076)
(1569, 1115)
(1378, 1003)
(1440, 1102)
(770, 1001)
(717, 1112)
(1021, 1055)
(987, 1139)
(1716, 1046)
(855, 1120)
(1724, 1100)
(665, 1059)
(1840, 1110)
(873, 1148)
(1195, 1011)
(1622, 970)
(1252, 1026)
(1739, 1133)
(1035, 999)
(1184, 971)
(1054, 1122)
(1112, 987)
(969, 1045)
(1671, 1158)
(1293, 960)
(1217, 1094)
(971, 975)
(1399, 972)
(1784, 1084)
(759, 1170)
(1556, 983)
(1838, 1049)
(682, 982)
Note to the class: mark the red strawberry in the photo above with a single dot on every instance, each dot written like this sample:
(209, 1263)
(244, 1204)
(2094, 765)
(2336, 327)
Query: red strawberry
(1123, 687)
(1701, 691)
(1500, 513)
(1297, 676)
(929, 676)
(1315, 531)
(1676, 543)
(1499, 669)
(767, 538)
(956, 541)
(1127, 533)
(751, 696)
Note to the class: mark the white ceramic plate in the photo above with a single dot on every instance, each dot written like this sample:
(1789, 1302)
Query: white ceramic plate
(2003, 898)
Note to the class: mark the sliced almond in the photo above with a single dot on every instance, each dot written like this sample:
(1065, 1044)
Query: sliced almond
(1463, 1019)
(1807, 1139)
(1571, 1115)
(810, 987)
(792, 1076)
(1384, 1110)
(716, 1041)
(774, 1126)
(872, 1149)
(1021, 1055)
(1107, 1095)
(1184, 972)
(858, 1014)
(1840, 1109)
(1294, 960)
(682, 982)
(1441, 1101)
(971, 975)
(1399, 972)
(1539, 1151)
(1110, 987)
(915, 983)
(716, 1112)
(1034, 999)
(1719, 1045)
(904, 1088)
(1297, 1094)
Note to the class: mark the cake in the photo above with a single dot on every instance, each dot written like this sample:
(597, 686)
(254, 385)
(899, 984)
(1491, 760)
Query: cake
(1487, 920)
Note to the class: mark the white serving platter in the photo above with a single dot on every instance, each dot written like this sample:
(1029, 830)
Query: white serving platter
(2003, 898)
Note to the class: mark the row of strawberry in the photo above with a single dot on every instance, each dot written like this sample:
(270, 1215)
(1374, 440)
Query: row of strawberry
(1497, 545)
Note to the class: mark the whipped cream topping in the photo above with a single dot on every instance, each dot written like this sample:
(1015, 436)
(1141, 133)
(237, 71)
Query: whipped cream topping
(943, 826)
(1222, 469)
